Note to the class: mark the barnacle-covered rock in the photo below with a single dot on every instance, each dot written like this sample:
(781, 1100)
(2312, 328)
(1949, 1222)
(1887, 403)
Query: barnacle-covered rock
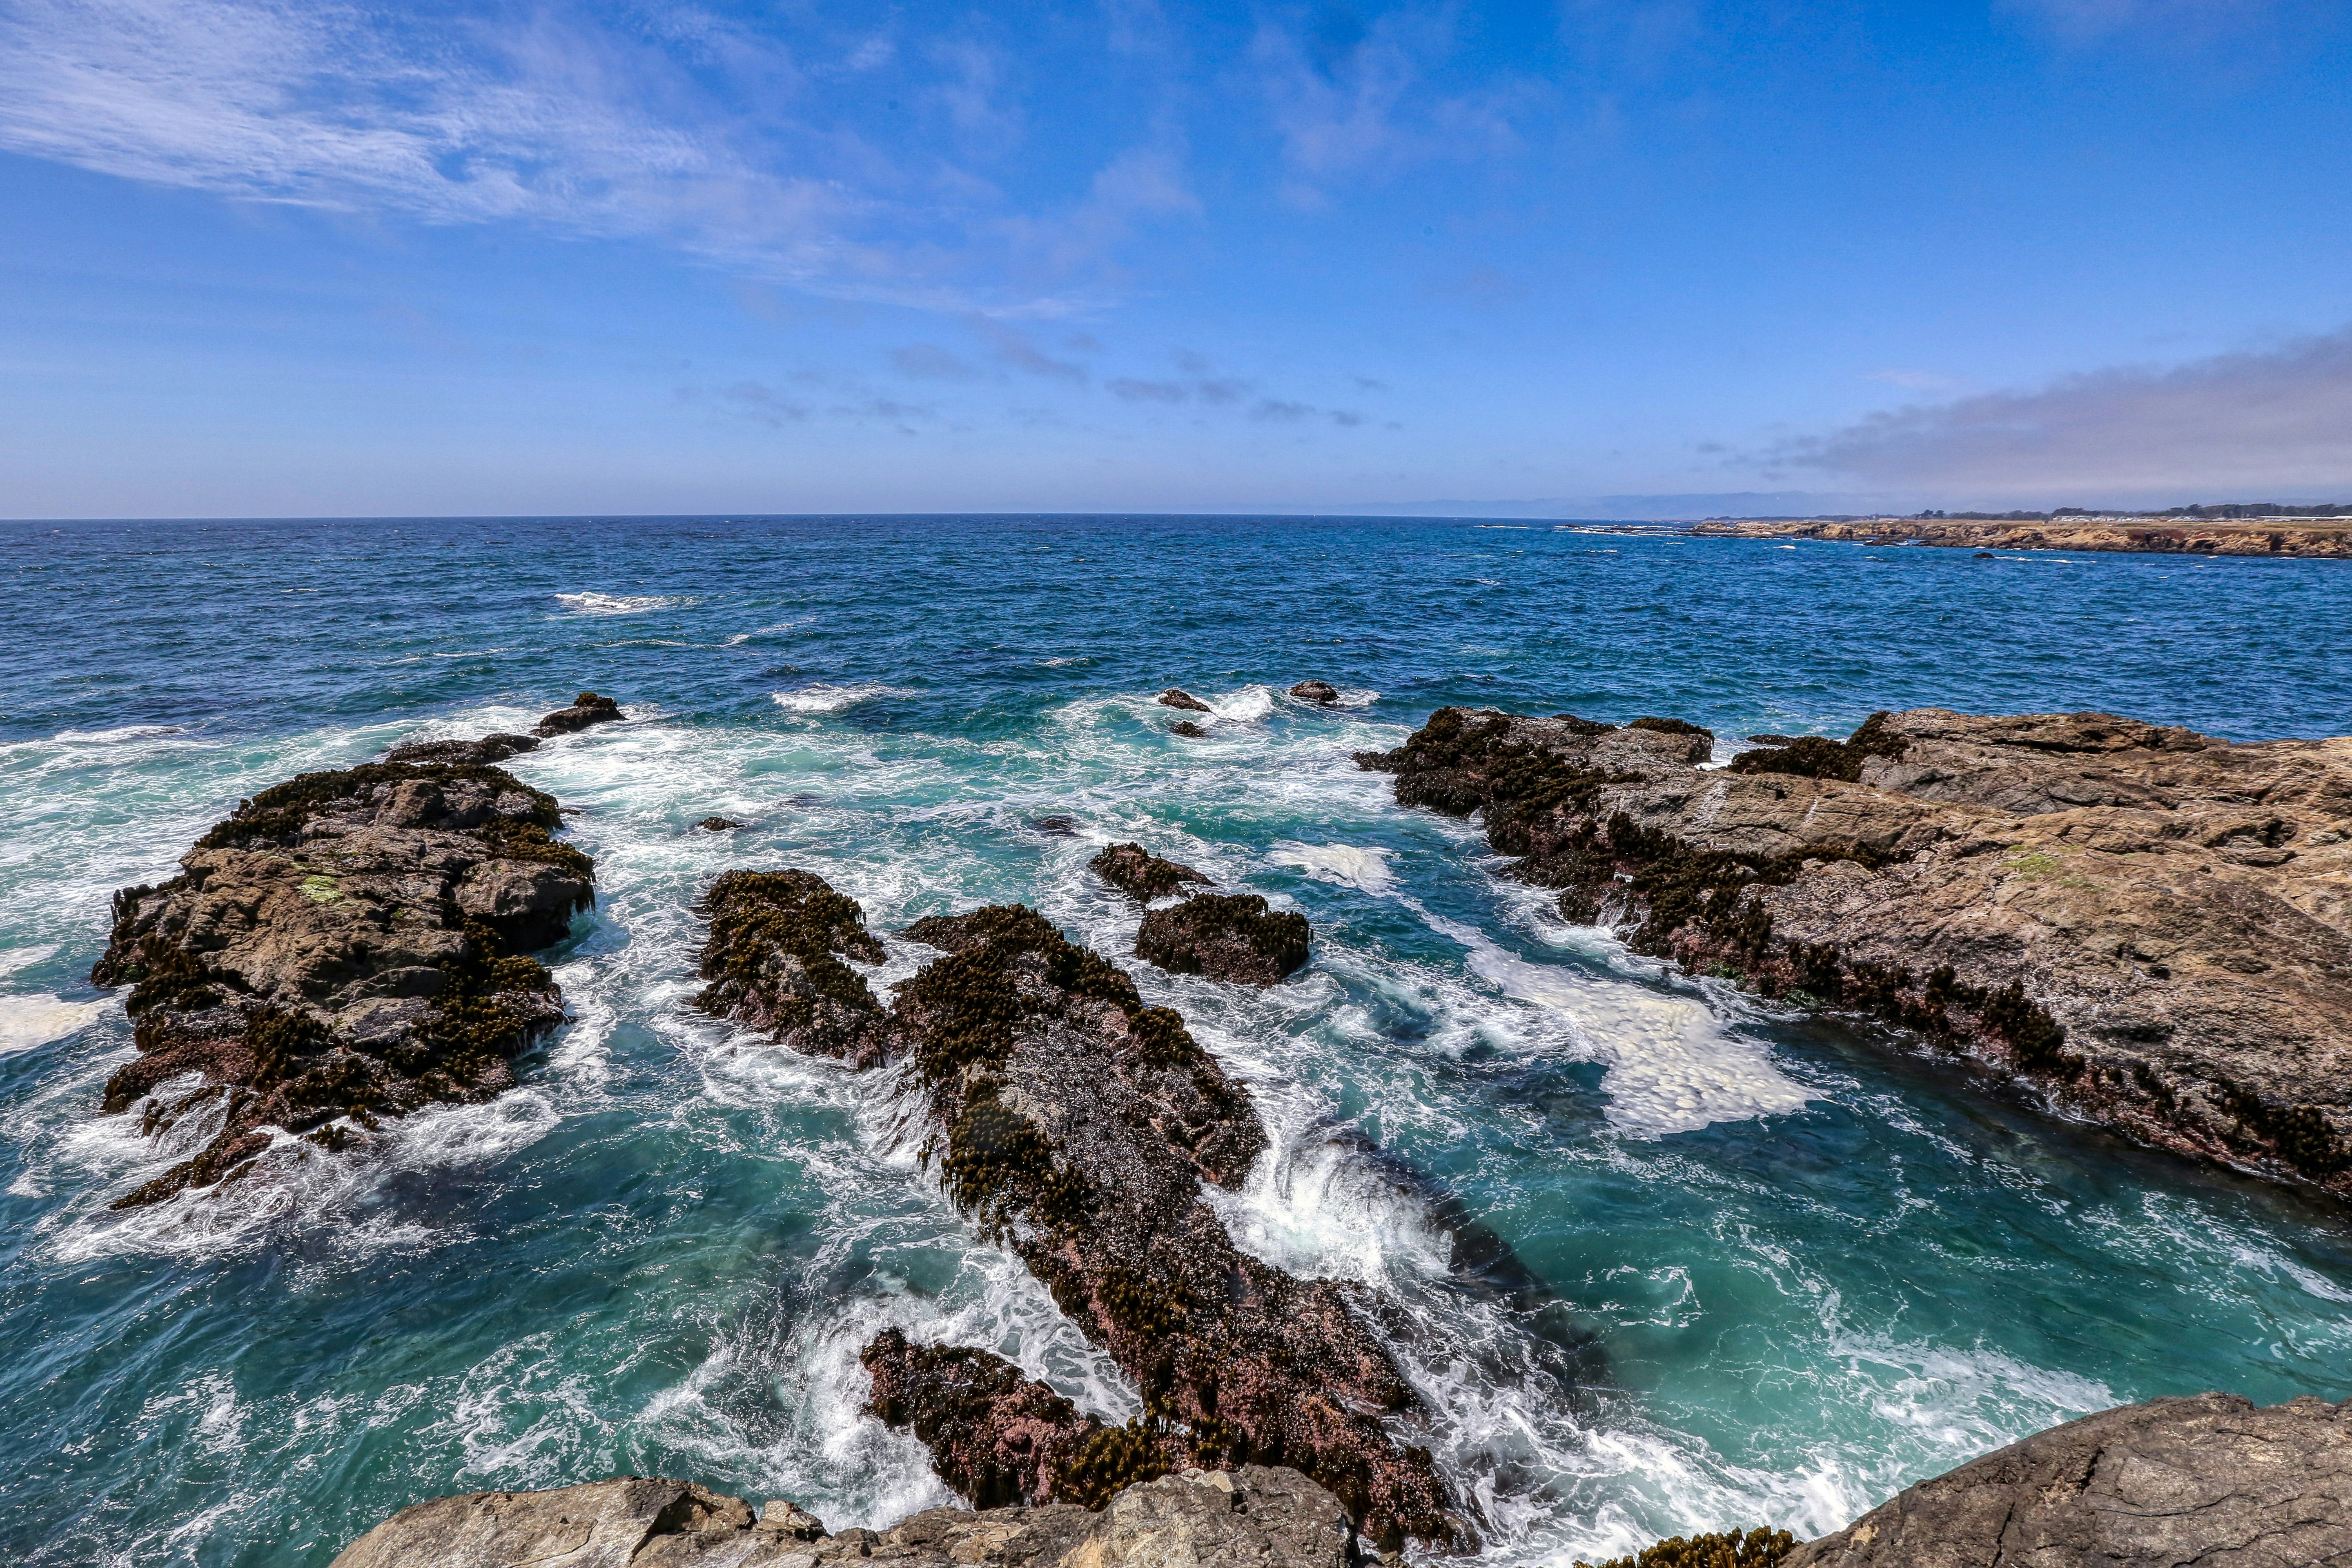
(1141, 874)
(774, 960)
(1225, 936)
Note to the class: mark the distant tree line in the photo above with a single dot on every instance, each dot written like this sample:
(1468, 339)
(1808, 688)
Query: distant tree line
(2233, 510)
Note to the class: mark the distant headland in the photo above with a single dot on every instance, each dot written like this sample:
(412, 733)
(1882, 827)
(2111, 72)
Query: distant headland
(2249, 529)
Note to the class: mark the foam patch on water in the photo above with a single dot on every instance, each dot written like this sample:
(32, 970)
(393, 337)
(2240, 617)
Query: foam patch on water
(1673, 1066)
(1246, 706)
(29, 1021)
(826, 699)
(1361, 867)
(16, 958)
(593, 604)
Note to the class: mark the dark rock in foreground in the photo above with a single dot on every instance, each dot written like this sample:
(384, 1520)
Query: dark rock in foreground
(345, 946)
(773, 959)
(1190, 731)
(2152, 927)
(1321, 692)
(2211, 1481)
(1177, 697)
(1252, 1517)
(1224, 936)
(1141, 874)
(489, 749)
(587, 709)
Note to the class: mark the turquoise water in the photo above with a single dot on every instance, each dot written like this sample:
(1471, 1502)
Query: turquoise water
(1814, 1269)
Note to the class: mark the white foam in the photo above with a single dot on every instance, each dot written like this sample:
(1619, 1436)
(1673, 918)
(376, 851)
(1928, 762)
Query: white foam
(1673, 1066)
(16, 958)
(119, 734)
(826, 699)
(1248, 704)
(1361, 867)
(593, 604)
(29, 1021)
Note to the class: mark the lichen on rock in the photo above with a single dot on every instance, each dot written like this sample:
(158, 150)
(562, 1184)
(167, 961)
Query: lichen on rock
(345, 946)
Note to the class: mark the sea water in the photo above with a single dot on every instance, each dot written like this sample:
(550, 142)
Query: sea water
(1768, 1269)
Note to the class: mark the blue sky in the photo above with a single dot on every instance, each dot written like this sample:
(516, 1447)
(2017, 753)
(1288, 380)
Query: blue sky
(1672, 256)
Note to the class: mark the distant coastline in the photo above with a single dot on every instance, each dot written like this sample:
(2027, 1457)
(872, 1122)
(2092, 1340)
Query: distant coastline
(2327, 538)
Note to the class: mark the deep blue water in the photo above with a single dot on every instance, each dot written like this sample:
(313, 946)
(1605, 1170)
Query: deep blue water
(1815, 1268)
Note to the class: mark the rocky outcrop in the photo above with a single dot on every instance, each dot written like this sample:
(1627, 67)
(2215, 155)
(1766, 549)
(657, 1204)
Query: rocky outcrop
(1077, 1125)
(1141, 874)
(1177, 697)
(587, 709)
(488, 750)
(1190, 731)
(773, 959)
(719, 825)
(1318, 692)
(2150, 926)
(1252, 1517)
(2282, 536)
(1224, 936)
(2213, 1482)
(345, 946)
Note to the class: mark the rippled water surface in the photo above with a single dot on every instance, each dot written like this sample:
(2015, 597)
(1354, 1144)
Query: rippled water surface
(1786, 1268)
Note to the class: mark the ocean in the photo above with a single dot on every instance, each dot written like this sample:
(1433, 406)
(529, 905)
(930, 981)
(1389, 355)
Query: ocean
(1788, 1266)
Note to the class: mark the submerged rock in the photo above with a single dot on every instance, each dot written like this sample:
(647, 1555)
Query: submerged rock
(475, 753)
(719, 825)
(1321, 692)
(1141, 874)
(1224, 936)
(345, 946)
(1251, 1517)
(1177, 697)
(2210, 1480)
(773, 959)
(587, 709)
(2152, 927)
(1190, 731)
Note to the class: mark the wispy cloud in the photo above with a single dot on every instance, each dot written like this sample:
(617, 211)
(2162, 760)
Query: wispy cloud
(677, 127)
(2280, 419)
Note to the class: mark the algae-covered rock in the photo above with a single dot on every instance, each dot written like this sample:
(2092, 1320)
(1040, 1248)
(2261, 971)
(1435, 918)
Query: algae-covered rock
(774, 960)
(489, 749)
(1177, 697)
(1141, 874)
(1227, 936)
(345, 946)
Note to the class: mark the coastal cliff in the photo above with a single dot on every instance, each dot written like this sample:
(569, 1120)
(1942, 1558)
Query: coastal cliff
(2151, 927)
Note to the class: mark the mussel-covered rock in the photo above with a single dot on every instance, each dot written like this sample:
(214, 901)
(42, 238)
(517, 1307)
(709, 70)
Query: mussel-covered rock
(587, 709)
(1141, 874)
(1224, 936)
(345, 946)
(774, 960)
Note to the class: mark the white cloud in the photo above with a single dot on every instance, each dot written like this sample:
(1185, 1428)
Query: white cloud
(2273, 421)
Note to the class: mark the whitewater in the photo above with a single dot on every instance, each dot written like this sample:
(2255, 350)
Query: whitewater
(1771, 1268)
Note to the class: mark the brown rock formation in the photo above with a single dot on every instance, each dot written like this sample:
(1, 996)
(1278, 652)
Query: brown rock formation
(1320, 691)
(1141, 874)
(1225, 936)
(773, 959)
(1190, 731)
(2148, 925)
(587, 709)
(2211, 1481)
(1177, 697)
(344, 946)
(1252, 1517)
(489, 749)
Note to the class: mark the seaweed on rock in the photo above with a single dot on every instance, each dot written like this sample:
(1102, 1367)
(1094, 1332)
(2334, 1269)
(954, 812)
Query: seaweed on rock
(773, 959)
